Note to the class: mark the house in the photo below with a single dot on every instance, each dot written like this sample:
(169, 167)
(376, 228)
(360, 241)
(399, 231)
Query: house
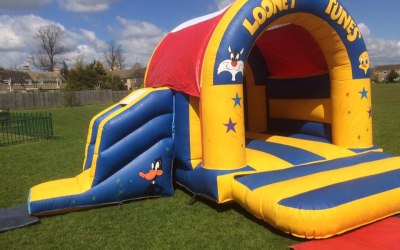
(380, 73)
(45, 81)
(13, 80)
(30, 81)
(133, 77)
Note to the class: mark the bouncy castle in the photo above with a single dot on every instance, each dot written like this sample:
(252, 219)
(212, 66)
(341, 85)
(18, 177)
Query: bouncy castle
(264, 103)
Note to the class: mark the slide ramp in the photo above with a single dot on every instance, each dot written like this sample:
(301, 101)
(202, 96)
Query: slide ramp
(128, 155)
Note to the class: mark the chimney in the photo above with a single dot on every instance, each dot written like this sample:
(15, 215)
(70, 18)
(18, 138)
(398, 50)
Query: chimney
(26, 68)
(57, 70)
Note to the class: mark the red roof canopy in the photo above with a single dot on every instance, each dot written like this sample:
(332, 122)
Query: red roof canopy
(289, 52)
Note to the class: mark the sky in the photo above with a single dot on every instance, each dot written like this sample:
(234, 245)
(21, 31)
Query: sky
(139, 25)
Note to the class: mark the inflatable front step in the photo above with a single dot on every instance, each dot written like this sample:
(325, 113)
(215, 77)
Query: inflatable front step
(323, 199)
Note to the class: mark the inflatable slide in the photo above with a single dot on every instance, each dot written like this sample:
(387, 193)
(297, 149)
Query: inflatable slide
(129, 155)
(264, 103)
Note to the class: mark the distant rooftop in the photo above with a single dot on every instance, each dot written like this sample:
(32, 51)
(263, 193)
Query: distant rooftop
(387, 67)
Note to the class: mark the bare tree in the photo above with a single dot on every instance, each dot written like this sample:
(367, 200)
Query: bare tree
(78, 59)
(114, 55)
(50, 48)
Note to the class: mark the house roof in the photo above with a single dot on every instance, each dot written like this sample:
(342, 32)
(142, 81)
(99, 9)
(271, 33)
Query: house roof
(16, 76)
(130, 73)
(387, 67)
(45, 76)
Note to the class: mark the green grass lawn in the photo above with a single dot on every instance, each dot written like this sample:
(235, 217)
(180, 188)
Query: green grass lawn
(168, 223)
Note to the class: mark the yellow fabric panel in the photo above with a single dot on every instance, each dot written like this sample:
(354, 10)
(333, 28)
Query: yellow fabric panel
(325, 150)
(351, 122)
(262, 202)
(324, 223)
(265, 162)
(332, 46)
(144, 93)
(317, 110)
(223, 148)
(195, 131)
(207, 70)
(256, 103)
(63, 187)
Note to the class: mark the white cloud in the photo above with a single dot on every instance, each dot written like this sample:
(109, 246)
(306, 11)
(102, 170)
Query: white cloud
(91, 37)
(381, 51)
(22, 5)
(138, 39)
(17, 40)
(220, 4)
(17, 32)
(86, 6)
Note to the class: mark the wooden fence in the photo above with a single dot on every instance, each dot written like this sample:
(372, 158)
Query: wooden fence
(39, 100)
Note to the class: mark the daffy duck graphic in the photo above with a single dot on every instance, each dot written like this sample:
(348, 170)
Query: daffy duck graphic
(154, 172)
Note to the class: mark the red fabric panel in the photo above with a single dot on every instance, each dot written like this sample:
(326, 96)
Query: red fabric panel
(290, 51)
(383, 234)
(178, 59)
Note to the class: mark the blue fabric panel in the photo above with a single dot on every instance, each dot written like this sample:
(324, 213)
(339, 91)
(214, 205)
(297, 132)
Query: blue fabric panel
(93, 136)
(203, 181)
(258, 180)
(126, 184)
(128, 148)
(314, 87)
(155, 104)
(289, 126)
(310, 137)
(362, 150)
(182, 131)
(293, 155)
(345, 192)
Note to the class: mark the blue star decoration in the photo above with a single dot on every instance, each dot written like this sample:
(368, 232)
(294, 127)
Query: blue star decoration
(237, 100)
(364, 93)
(230, 126)
(369, 112)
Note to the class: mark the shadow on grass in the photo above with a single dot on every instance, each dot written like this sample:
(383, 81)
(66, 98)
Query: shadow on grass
(221, 208)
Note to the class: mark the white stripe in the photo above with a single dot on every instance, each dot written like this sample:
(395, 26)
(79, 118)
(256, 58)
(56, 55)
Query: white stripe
(137, 94)
(198, 20)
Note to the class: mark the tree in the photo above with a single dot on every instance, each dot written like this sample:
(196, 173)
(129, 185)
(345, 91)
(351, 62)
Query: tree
(114, 82)
(93, 76)
(64, 70)
(114, 55)
(392, 76)
(49, 47)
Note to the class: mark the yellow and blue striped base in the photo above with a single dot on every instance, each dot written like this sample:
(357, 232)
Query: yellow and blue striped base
(323, 199)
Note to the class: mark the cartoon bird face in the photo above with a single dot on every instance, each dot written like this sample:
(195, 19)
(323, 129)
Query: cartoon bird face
(155, 170)
(364, 61)
(156, 165)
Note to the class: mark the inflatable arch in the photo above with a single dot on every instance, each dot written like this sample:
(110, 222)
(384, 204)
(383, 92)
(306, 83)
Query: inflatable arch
(317, 45)
(264, 103)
